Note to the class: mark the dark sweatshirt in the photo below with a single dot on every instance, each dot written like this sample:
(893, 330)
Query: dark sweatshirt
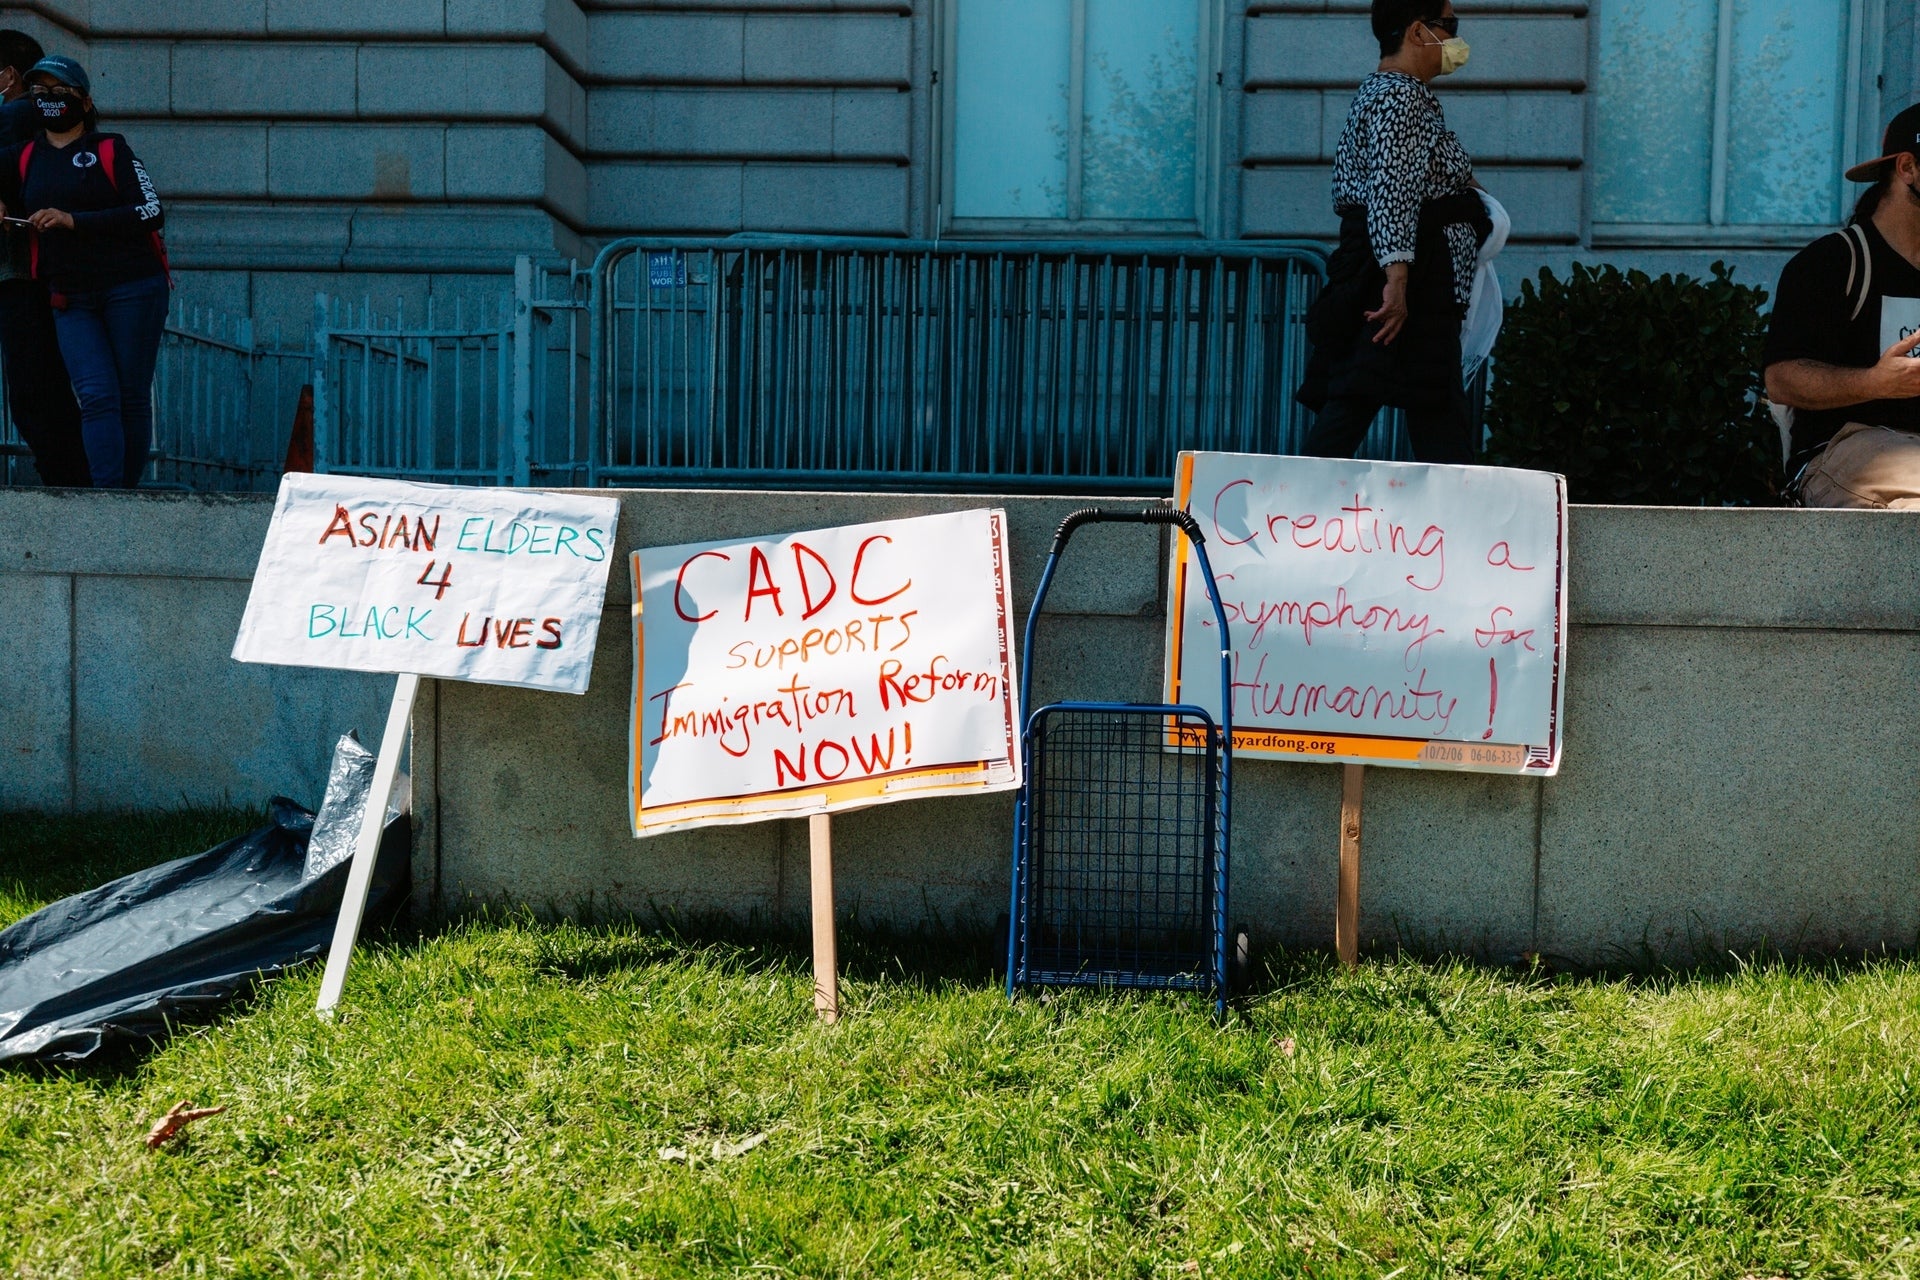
(19, 121)
(114, 221)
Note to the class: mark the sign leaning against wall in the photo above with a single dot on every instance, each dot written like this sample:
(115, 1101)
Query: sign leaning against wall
(822, 671)
(1381, 613)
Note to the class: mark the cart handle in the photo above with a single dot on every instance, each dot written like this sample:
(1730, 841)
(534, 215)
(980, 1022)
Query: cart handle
(1151, 515)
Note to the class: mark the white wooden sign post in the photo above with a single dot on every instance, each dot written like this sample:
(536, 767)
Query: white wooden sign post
(811, 674)
(497, 586)
(1382, 613)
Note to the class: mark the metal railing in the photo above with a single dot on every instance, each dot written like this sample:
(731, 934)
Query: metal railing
(492, 394)
(223, 399)
(763, 361)
(807, 361)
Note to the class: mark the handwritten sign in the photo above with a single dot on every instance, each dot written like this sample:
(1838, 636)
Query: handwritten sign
(1381, 613)
(822, 671)
(498, 586)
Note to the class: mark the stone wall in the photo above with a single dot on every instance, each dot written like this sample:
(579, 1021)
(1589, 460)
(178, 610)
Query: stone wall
(118, 613)
(1742, 753)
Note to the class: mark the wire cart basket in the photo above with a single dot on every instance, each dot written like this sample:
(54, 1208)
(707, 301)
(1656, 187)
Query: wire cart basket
(1121, 825)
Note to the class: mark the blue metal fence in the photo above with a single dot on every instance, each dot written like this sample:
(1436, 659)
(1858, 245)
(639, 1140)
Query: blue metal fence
(486, 394)
(825, 361)
(224, 394)
(801, 362)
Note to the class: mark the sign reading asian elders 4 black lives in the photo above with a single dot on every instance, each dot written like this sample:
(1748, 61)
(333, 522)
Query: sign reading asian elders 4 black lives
(1381, 612)
(496, 586)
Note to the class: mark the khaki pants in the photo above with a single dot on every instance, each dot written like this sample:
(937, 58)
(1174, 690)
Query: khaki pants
(1865, 466)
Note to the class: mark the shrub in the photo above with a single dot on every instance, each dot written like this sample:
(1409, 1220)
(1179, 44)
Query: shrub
(1638, 390)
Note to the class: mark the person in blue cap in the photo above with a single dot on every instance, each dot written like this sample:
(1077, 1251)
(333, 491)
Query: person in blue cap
(38, 390)
(96, 220)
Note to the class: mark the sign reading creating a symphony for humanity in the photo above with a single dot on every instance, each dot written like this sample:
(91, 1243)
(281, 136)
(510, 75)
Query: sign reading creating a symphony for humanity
(822, 671)
(1381, 613)
(499, 586)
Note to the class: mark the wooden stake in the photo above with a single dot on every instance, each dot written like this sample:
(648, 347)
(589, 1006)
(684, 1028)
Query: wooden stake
(826, 971)
(1346, 919)
(367, 849)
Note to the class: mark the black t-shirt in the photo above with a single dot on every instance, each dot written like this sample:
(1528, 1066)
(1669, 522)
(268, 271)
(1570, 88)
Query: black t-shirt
(114, 218)
(1813, 320)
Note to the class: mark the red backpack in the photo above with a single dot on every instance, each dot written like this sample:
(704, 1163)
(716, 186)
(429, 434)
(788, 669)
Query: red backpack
(106, 153)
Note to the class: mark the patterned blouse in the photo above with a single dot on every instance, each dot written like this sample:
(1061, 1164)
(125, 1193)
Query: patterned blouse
(1395, 154)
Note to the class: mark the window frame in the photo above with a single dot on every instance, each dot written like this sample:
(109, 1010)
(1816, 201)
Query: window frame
(1208, 86)
(1860, 126)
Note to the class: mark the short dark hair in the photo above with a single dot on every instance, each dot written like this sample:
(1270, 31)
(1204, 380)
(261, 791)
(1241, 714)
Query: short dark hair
(1391, 18)
(19, 50)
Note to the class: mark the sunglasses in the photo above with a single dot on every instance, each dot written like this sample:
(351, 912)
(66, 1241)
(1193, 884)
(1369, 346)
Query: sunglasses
(1449, 24)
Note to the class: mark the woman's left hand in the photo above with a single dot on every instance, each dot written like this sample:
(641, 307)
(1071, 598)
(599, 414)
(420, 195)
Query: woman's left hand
(51, 219)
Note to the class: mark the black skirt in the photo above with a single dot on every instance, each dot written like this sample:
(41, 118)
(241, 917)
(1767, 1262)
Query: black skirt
(1420, 369)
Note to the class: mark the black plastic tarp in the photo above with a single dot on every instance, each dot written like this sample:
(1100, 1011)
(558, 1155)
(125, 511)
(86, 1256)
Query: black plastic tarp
(175, 942)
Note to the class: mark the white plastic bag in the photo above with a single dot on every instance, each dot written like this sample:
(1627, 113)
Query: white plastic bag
(1488, 307)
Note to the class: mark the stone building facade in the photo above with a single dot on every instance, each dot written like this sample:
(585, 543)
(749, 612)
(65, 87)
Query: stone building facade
(407, 148)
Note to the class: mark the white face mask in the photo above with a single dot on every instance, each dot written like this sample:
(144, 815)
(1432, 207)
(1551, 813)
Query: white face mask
(1453, 54)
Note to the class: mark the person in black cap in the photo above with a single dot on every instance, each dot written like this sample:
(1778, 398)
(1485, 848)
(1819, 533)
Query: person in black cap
(97, 244)
(38, 391)
(1843, 346)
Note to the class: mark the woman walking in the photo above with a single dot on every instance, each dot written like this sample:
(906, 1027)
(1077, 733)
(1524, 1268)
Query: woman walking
(1386, 329)
(96, 242)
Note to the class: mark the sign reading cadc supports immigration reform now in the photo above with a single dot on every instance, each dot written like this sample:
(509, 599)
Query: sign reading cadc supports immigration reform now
(822, 671)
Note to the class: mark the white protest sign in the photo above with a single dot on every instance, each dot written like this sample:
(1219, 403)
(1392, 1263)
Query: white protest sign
(822, 671)
(1380, 613)
(498, 586)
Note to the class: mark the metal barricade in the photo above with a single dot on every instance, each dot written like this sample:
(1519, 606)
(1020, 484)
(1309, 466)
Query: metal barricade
(223, 401)
(810, 361)
(492, 394)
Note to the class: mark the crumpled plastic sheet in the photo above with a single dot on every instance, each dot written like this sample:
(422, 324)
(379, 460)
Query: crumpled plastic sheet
(177, 942)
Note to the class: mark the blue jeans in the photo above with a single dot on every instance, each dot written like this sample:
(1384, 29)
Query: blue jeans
(110, 339)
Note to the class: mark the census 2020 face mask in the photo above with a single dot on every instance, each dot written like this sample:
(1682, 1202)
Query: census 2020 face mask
(56, 112)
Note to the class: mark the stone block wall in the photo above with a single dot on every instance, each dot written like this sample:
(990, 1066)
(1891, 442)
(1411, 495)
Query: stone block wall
(356, 140)
(1741, 758)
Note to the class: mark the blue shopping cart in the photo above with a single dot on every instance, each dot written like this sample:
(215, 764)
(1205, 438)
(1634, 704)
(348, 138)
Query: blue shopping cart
(1121, 826)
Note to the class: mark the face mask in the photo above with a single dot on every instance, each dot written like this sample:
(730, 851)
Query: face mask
(1453, 54)
(56, 113)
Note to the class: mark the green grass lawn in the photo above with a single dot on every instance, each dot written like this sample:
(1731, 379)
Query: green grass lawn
(507, 1099)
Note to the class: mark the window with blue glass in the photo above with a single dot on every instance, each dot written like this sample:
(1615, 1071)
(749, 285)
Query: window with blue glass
(1725, 118)
(1076, 112)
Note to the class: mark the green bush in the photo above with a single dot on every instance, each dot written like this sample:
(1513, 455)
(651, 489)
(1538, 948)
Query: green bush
(1637, 390)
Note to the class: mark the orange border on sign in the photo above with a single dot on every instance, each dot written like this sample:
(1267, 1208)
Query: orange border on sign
(1289, 744)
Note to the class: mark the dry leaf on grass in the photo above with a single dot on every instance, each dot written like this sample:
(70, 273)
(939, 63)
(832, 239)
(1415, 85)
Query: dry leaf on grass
(727, 1150)
(722, 1150)
(183, 1114)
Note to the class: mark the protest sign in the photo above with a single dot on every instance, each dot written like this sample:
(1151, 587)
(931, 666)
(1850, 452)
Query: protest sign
(822, 671)
(1380, 613)
(497, 586)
